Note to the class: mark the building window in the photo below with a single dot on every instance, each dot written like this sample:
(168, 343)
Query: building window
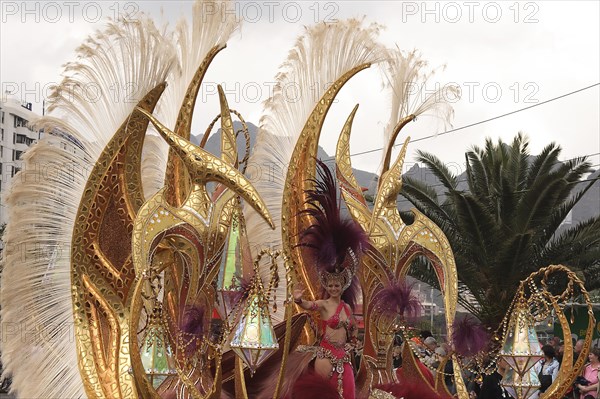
(20, 122)
(2, 134)
(2, 113)
(1, 151)
(16, 155)
(22, 139)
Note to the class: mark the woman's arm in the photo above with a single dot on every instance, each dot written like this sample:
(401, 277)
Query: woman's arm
(589, 388)
(352, 329)
(306, 305)
(309, 305)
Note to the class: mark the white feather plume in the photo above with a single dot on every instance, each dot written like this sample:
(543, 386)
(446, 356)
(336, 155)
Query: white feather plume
(304, 78)
(114, 70)
(213, 23)
(407, 79)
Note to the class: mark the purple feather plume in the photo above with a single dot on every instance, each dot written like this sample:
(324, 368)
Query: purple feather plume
(399, 298)
(241, 291)
(469, 336)
(329, 236)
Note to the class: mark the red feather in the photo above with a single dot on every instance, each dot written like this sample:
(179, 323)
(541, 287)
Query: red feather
(312, 385)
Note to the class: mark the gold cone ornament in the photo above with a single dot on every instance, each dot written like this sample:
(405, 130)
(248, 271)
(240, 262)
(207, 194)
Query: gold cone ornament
(521, 350)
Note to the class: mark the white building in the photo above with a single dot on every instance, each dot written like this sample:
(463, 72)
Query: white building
(16, 136)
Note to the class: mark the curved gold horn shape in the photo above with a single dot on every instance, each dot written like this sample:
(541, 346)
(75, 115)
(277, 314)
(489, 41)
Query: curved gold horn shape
(388, 155)
(101, 268)
(351, 191)
(176, 178)
(298, 180)
(394, 247)
(387, 195)
(204, 167)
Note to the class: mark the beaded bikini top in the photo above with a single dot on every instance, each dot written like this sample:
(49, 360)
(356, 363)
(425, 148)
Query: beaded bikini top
(335, 322)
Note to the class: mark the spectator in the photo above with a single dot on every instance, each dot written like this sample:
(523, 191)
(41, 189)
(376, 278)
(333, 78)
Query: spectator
(491, 388)
(590, 373)
(546, 369)
(429, 357)
(425, 334)
(560, 352)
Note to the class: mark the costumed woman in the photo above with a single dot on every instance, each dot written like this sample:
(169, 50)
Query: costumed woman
(335, 246)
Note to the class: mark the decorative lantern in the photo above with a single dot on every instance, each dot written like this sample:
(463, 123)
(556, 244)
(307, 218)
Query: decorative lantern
(521, 387)
(156, 353)
(231, 266)
(521, 350)
(254, 339)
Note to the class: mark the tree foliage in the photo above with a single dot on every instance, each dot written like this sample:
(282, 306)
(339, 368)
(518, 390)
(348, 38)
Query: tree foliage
(506, 223)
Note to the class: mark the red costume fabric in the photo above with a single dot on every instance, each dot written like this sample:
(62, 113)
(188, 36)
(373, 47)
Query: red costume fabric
(337, 355)
(422, 368)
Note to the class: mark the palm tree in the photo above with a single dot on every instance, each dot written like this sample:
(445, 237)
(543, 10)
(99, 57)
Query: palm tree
(505, 225)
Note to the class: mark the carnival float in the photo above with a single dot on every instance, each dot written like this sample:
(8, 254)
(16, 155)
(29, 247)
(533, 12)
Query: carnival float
(180, 274)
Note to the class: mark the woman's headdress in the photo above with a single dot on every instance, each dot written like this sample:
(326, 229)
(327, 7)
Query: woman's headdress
(337, 242)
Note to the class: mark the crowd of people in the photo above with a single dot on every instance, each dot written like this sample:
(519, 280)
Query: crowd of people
(431, 354)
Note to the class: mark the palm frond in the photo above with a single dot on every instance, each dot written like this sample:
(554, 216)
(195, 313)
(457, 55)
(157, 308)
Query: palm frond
(538, 202)
(476, 224)
(558, 215)
(572, 244)
(424, 198)
(477, 176)
(517, 164)
(437, 167)
(543, 163)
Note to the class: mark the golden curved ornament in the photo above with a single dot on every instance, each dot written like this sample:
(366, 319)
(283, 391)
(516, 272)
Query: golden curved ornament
(388, 155)
(395, 246)
(558, 389)
(351, 191)
(298, 180)
(205, 167)
(539, 303)
(176, 178)
(102, 272)
(197, 231)
(385, 208)
(566, 375)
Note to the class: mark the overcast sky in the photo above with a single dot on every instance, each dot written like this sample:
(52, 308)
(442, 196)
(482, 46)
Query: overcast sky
(505, 56)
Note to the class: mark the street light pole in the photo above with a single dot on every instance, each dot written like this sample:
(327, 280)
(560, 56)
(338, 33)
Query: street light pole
(431, 308)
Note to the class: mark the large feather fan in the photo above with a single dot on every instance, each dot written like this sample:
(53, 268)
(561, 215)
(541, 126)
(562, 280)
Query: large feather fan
(39, 352)
(36, 288)
(330, 236)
